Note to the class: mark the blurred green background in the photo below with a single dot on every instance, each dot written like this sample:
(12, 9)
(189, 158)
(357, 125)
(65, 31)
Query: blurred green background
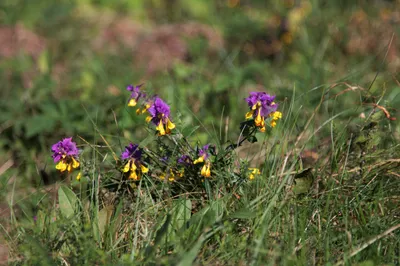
(64, 66)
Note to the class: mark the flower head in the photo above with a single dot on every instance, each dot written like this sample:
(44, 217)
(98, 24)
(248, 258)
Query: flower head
(203, 154)
(65, 154)
(134, 165)
(275, 117)
(132, 151)
(261, 106)
(136, 94)
(253, 173)
(206, 170)
(159, 114)
(203, 157)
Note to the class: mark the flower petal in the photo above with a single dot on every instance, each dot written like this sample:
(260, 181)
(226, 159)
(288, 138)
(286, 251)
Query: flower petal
(144, 169)
(160, 129)
(75, 163)
(127, 167)
(62, 166)
(199, 160)
(170, 125)
(132, 102)
(249, 114)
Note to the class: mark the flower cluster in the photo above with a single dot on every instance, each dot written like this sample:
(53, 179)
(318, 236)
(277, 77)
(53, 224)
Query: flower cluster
(253, 173)
(262, 106)
(133, 165)
(136, 94)
(203, 158)
(159, 111)
(160, 116)
(181, 161)
(65, 154)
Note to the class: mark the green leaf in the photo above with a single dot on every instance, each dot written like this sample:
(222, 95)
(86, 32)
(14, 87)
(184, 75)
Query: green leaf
(40, 220)
(67, 201)
(243, 214)
(181, 213)
(151, 248)
(104, 218)
(38, 124)
(303, 181)
(190, 256)
(252, 139)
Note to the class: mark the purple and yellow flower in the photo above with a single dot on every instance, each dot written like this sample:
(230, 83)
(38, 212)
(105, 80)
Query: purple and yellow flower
(136, 94)
(253, 173)
(203, 158)
(160, 116)
(134, 165)
(261, 105)
(65, 154)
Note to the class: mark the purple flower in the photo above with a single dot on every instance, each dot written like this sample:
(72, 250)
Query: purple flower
(203, 154)
(159, 114)
(132, 151)
(64, 148)
(134, 165)
(261, 106)
(136, 94)
(65, 154)
(159, 110)
(185, 160)
(164, 159)
(264, 101)
(204, 151)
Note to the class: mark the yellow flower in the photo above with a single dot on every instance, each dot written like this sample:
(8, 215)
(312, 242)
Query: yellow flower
(67, 164)
(172, 175)
(249, 114)
(205, 170)
(199, 160)
(132, 102)
(142, 111)
(253, 173)
(134, 173)
(275, 117)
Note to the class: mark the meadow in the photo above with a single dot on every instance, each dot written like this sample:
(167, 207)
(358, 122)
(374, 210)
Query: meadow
(173, 132)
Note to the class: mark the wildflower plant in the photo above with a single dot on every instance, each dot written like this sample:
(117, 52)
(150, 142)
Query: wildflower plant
(174, 159)
(168, 167)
